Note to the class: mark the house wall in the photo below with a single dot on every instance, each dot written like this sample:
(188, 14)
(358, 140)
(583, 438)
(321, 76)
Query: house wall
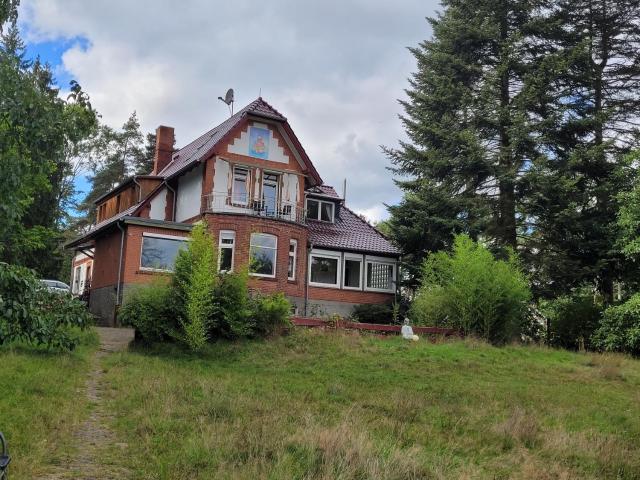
(85, 264)
(244, 226)
(189, 194)
(112, 206)
(159, 205)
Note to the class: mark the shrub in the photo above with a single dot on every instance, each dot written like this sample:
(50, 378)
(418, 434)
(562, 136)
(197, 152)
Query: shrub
(619, 330)
(270, 313)
(572, 319)
(196, 275)
(150, 311)
(472, 291)
(31, 313)
(233, 318)
(373, 313)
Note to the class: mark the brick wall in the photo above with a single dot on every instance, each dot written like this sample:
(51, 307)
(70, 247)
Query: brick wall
(349, 296)
(244, 226)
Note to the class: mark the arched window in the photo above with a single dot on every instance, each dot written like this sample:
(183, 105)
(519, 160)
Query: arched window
(263, 254)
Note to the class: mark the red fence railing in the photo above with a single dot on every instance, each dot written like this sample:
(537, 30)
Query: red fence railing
(372, 327)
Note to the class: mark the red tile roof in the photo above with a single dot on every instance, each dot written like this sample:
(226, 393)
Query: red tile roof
(351, 233)
(325, 190)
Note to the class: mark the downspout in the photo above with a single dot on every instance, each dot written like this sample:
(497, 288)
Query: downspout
(173, 208)
(306, 279)
(122, 230)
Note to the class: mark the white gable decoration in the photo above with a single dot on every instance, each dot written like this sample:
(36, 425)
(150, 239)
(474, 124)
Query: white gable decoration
(258, 142)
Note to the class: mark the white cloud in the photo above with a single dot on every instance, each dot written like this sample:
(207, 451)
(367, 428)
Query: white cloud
(334, 68)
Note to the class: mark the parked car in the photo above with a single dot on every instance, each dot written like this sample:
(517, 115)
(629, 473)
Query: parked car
(56, 286)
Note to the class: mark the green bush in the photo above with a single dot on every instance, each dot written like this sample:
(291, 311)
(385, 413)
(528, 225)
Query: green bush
(234, 316)
(619, 330)
(149, 309)
(270, 313)
(572, 319)
(196, 276)
(470, 290)
(31, 313)
(373, 313)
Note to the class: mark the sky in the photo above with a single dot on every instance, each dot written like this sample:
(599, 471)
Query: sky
(335, 69)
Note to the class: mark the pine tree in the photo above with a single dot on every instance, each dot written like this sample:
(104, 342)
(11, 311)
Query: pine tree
(468, 121)
(115, 157)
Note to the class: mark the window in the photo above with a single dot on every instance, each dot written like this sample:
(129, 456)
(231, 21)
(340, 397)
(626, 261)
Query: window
(225, 255)
(324, 270)
(270, 193)
(239, 187)
(320, 210)
(352, 272)
(262, 255)
(159, 251)
(293, 251)
(380, 275)
(76, 279)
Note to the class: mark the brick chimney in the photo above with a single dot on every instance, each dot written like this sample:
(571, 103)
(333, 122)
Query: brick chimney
(164, 148)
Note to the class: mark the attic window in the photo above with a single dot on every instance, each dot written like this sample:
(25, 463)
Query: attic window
(320, 210)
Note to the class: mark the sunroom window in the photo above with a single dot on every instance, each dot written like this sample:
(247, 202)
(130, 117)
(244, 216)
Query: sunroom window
(353, 272)
(262, 255)
(160, 252)
(324, 270)
(380, 276)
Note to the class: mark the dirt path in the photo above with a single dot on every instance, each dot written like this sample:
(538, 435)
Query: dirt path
(95, 442)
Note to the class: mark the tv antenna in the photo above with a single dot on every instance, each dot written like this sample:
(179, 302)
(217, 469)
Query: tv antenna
(228, 99)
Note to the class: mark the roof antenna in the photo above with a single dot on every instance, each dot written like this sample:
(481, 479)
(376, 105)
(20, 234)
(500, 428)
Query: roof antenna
(228, 99)
(344, 190)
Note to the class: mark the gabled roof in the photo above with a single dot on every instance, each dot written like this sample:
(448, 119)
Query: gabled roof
(351, 233)
(206, 143)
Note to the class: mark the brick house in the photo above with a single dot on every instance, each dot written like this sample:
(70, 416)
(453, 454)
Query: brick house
(266, 206)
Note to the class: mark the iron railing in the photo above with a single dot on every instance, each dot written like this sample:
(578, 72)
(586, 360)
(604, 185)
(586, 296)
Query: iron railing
(258, 207)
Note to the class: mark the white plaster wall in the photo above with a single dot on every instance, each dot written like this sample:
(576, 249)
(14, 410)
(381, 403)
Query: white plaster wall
(189, 194)
(221, 177)
(158, 205)
(276, 152)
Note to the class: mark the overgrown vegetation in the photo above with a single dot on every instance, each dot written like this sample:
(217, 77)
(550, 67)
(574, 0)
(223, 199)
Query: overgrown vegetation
(314, 405)
(470, 290)
(373, 313)
(620, 328)
(198, 305)
(30, 313)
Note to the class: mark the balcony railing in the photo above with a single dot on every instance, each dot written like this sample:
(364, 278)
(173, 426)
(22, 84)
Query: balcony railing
(257, 207)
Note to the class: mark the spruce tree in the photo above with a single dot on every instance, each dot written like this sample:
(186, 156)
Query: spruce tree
(594, 101)
(468, 121)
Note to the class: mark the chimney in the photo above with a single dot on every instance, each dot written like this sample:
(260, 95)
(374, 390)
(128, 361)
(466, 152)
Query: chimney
(164, 148)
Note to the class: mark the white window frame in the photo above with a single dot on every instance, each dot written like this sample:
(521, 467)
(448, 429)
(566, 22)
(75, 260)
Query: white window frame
(326, 254)
(320, 202)
(227, 234)
(247, 184)
(293, 255)
(383, 260)
(77, 275)
(354, 258)
(158, 235)
(275, 259)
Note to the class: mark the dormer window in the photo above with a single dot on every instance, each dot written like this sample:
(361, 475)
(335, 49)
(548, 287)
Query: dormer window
(320, 210)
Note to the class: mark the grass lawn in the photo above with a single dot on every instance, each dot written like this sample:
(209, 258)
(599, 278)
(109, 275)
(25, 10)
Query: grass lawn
(339, 406)
(41, 402)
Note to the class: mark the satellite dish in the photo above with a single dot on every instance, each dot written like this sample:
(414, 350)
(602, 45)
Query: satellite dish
(228, 99)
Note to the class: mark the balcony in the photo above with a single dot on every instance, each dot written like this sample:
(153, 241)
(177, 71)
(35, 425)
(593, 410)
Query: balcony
(255, 207)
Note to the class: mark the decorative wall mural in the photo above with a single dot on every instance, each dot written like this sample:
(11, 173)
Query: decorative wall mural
(259, 142)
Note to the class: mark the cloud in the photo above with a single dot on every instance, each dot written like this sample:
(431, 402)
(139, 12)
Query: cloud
(334, 68)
